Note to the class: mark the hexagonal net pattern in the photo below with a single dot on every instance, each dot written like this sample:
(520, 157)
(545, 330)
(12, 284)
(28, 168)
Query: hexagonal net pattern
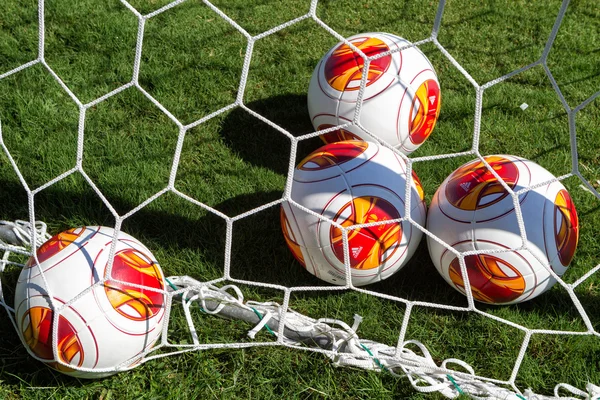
(334, 338)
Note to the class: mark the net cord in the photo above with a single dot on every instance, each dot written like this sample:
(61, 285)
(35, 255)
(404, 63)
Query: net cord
(334, 338)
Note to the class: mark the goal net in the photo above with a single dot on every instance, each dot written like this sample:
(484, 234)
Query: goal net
(424, 331)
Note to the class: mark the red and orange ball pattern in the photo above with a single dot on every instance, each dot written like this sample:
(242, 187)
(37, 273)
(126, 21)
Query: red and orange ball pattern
(474, 210)
(100, 325)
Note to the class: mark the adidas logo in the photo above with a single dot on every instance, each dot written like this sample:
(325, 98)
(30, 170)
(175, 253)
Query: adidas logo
(465, 186)
(432, 99)
(356, 251)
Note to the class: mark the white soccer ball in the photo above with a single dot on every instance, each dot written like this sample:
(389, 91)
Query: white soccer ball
(108, 326)
(350, 183)
(471, 210)
(401, 101)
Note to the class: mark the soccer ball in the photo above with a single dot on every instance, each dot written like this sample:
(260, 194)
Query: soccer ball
(471, 210)
(99, 326)
(401, 101)
(350, 183)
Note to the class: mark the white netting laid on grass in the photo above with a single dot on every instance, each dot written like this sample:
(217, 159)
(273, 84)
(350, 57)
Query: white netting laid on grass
(334, 338)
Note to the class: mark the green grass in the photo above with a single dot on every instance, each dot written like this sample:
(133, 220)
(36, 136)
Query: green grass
(191, 63)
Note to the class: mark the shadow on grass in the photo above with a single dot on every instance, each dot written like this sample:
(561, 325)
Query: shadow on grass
(259, 253)
(262, 145)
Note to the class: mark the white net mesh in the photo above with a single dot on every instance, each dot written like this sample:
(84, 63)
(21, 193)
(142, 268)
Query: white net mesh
(334, 338)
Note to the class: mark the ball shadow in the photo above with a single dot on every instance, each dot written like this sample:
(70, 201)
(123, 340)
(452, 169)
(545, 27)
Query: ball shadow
(259, 252)
(418, 280)
(157, 229)
(262, 145)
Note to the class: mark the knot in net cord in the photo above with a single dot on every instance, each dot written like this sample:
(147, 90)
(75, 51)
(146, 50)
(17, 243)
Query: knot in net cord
(19, 234)
(335, 338)
(343, 345)
(17, 237)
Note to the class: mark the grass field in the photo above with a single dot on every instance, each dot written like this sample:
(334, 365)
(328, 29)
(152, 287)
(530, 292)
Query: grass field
(191, 63)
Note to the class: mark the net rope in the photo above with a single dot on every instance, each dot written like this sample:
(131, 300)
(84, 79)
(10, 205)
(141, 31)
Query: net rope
(334, 338)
